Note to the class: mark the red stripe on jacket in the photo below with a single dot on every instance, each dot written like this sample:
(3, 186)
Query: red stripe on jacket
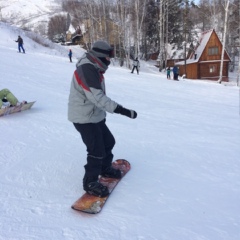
(80, 81)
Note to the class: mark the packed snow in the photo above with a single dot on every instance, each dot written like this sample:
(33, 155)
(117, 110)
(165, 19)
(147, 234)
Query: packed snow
(184, 150)
(28, 12)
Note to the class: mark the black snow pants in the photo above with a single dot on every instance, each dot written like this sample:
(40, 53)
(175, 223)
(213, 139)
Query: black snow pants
(135, 67)
(99, 142)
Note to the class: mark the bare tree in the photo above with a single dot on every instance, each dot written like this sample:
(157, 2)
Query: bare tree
(57, 25)
(123, 12)
(161, 36)
(224, 39)
(238, 76)
(140, 12)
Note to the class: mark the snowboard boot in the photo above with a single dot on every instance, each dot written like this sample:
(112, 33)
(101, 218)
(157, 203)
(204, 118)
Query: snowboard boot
(111, 172)
(96, 189)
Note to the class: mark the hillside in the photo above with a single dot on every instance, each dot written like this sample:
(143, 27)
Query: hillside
(29, 14)
(183, 148)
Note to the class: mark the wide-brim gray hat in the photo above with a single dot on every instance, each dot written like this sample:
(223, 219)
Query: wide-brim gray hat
(102, 49)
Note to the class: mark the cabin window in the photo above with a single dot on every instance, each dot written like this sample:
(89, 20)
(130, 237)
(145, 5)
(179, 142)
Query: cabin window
(212, 68)
(213, 51)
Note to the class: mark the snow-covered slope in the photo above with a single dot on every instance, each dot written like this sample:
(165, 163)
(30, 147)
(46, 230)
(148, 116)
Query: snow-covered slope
(28, 13)
(184, 149)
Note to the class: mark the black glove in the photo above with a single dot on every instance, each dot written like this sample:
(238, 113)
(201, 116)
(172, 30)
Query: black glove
(125, 111)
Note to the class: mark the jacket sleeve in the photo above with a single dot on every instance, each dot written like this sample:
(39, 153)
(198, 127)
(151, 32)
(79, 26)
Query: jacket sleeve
(94, 88)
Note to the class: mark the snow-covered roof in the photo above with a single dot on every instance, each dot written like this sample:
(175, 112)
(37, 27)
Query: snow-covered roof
(202, 44)
(195, 56)
(71, 29)
(205, 36)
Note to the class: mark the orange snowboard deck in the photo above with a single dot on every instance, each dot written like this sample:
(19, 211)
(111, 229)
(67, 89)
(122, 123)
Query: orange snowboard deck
(92, 204)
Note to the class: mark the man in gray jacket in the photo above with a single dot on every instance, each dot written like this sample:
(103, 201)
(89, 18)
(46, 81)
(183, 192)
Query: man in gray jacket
(87, 107)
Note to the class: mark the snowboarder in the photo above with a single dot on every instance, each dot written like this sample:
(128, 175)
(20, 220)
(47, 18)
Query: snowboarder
(136, 65)
(70, 55)
(7, 96)
(20, 44)
(87, 107)
(168, 73)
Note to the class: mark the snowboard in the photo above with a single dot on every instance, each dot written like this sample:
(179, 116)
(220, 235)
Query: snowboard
(15, 109)
(91, 204)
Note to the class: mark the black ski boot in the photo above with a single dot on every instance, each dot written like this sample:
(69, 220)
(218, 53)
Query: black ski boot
(111, 172)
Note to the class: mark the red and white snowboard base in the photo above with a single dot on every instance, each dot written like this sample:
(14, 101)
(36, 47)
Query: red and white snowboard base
(20, 108)
(92, 204)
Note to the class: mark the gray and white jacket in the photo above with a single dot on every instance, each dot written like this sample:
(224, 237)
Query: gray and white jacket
(88, 102)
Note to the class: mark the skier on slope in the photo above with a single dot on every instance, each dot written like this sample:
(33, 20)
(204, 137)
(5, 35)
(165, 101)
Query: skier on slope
(136, 65)
(87, 107)
(70, 55)
(20, 44)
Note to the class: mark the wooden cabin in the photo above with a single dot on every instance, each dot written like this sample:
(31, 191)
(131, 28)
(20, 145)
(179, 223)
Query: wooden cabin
(204, 62)
(77, 39)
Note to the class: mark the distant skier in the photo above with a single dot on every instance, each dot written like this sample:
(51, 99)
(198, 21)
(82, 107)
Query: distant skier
(136, 65)
(70, 55)
(20, 44)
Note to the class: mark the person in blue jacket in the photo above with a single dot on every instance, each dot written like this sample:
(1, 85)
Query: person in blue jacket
(70, 55)
(175, 73)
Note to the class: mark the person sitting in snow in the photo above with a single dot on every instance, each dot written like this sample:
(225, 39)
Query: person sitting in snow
(7, 97)
(20, 44)
(87, 107)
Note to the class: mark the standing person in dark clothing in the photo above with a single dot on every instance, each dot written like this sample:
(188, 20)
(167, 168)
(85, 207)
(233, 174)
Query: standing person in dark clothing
(175, 73)
(20, 44)
(136, 65)
(70, 55)
(87, 107)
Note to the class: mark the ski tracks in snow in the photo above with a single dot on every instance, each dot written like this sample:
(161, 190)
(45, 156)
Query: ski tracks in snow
(32, 164)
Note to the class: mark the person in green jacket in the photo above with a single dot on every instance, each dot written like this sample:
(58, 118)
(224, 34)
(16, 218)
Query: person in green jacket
(7, 96)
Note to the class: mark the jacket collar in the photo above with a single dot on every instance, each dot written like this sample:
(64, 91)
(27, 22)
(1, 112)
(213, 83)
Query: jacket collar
(97, 62)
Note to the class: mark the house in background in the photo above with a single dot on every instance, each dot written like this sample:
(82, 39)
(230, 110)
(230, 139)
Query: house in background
(204, 62)
(74, 36)
(174, 55)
